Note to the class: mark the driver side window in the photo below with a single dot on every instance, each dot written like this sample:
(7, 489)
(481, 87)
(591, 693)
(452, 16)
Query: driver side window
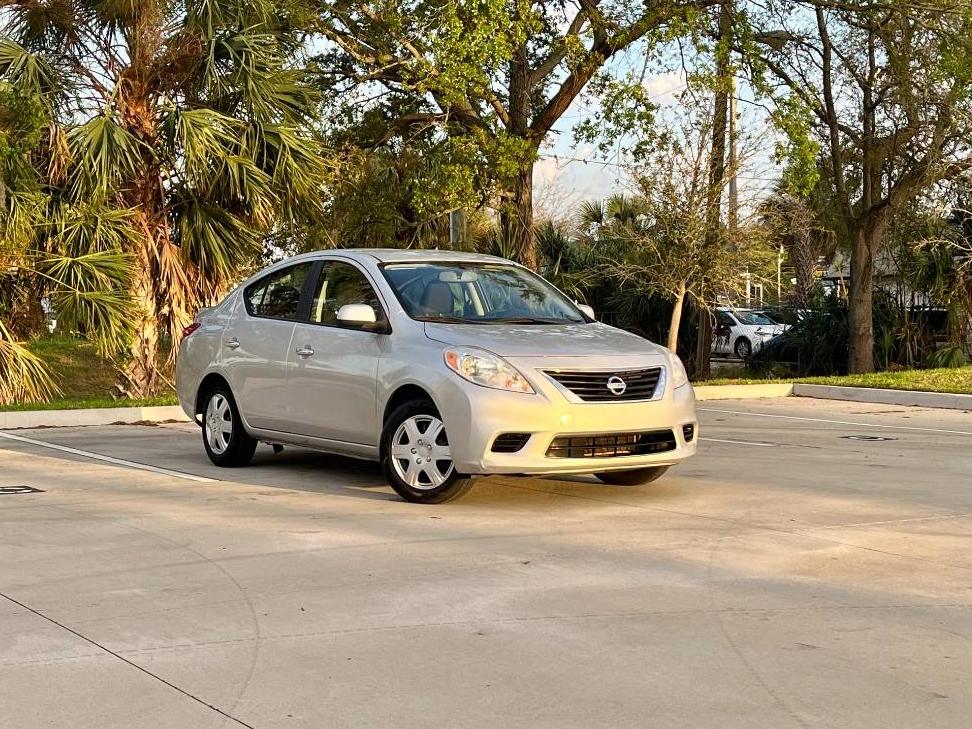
(341, 283)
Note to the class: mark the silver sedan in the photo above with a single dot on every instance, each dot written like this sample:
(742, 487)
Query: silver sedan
(440, 365)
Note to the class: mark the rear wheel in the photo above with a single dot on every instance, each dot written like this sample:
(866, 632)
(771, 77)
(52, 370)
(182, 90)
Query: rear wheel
(743, 348)
(634, 477)
(226, 441)
(416, 457)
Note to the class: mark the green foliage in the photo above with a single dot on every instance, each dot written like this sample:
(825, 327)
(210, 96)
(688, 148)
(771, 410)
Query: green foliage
(23, 376)
(69, 252)
(496, 74)
(950, 356)
(798, 149)
(175, 137)
(816, 345)
(625, 112)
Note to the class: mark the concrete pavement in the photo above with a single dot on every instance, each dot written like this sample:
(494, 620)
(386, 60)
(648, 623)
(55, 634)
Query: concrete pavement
(810, 568)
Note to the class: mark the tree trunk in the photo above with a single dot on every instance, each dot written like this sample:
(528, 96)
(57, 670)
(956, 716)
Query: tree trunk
(516, 219)
(804, 258)
(867, 239)
(142, 372)
(136, 102)
(676, 320)
(717, 176)
(26, 317)
(521, 234)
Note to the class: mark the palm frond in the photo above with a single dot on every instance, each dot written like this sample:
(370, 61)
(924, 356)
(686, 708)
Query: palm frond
(105, 154)
(82, 228)
(90, 294)
(213, 240)
(23, 376)
(201, 136)
(27, 71)
(590, 213)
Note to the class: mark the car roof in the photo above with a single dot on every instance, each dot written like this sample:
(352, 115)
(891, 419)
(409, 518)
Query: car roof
(402, 255)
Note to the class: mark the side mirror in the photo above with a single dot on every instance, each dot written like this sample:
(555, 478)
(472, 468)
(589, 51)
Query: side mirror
(587, 311)
(356, 315)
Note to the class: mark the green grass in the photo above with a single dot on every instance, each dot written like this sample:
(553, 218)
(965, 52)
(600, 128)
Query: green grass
(92, 402)
(958, 380)
(85, 378)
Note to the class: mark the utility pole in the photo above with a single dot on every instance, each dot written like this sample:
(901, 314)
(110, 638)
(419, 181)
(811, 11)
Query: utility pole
(733, 215)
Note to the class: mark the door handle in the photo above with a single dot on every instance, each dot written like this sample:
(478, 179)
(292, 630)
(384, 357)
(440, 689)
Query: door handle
(305, 351)
(233, 343)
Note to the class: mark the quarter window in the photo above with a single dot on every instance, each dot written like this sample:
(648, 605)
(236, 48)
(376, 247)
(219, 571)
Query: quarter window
(340, 284)
(277, 296)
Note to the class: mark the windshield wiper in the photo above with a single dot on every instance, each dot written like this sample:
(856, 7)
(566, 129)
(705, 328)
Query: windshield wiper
(437, 319)
(527, 320)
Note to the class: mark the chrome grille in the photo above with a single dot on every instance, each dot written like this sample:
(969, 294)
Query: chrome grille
(592, 385)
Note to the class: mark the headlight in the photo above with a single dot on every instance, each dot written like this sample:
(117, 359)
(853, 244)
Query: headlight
(486, 369)
(679, 375)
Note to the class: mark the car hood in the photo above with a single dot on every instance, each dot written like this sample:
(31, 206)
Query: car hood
(544, 340)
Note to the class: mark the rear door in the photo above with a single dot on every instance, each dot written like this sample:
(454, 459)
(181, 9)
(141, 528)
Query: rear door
(333, 368)
(257, 340)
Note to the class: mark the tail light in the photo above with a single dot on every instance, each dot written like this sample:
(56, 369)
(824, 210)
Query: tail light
(190, 329)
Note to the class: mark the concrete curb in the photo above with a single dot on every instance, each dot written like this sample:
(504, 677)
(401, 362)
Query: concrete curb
(885, 397)
(90, 416)
(738, 392)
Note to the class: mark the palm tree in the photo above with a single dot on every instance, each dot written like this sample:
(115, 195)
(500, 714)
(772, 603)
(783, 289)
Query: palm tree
(795, 224)
(185, 117)
(70, 253)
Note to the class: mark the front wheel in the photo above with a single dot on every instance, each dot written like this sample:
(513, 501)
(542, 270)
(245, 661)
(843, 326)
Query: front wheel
(416, 457)
(226, 441)
(634, 477)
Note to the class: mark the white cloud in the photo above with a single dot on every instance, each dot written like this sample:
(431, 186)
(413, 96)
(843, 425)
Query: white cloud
(663, 88)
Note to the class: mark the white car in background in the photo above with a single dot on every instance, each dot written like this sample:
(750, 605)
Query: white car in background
(741, 332)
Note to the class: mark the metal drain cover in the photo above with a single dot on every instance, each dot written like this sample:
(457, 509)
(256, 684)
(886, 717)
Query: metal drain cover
(867, 437)
(13, 490)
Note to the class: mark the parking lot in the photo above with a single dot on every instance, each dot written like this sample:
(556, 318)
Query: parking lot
(812, 567)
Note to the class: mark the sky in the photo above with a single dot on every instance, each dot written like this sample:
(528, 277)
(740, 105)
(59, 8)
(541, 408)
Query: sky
(568, 174)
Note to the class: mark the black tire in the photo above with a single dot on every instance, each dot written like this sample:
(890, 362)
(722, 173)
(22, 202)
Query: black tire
(239, 446)
(424, 491)
(634, 477)
(744, 348)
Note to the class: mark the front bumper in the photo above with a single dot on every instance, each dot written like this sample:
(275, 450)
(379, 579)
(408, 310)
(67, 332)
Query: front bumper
(474, 416)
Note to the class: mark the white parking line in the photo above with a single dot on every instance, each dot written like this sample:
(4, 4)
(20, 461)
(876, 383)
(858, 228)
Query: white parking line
(740, 442)
(837, 422)
(109, 459)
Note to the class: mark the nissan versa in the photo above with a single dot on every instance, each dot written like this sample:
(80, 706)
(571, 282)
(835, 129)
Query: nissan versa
(440, 365)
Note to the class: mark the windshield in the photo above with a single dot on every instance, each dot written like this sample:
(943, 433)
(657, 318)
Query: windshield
(751, 317)
(478, 293)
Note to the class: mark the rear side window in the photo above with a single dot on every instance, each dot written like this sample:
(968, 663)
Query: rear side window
(277, 296)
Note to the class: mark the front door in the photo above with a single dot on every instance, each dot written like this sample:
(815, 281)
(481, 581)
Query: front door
(333, 368)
